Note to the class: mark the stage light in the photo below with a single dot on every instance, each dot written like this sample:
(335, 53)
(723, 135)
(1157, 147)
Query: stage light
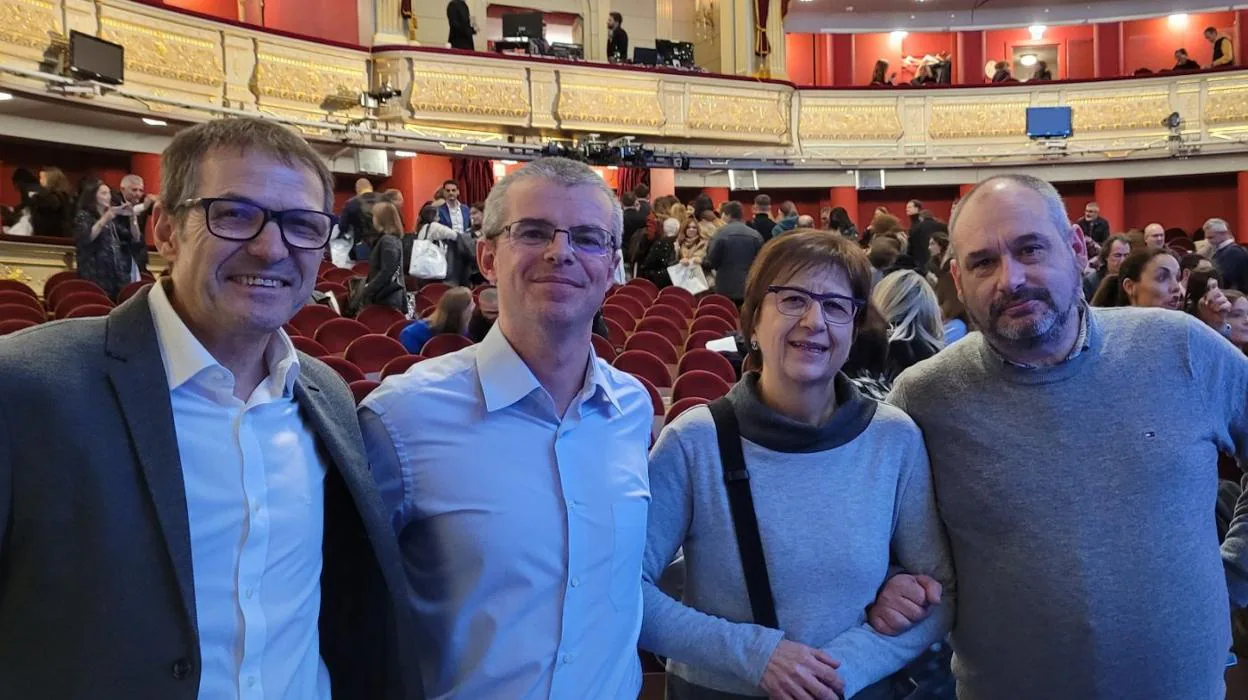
(1037, 31)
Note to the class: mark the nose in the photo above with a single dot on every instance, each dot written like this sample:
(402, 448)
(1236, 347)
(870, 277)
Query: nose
(813, 319)
(559, 251)
(1012, 274)
(268, 246)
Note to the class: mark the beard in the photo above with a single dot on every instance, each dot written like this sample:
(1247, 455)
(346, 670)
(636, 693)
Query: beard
(1027, 333)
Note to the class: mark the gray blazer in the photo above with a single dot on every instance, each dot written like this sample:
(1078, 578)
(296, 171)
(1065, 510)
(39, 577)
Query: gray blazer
(96, 588)
(731, 252)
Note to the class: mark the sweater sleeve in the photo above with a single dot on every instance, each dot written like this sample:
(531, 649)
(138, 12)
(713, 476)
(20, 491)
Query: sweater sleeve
(919, 546)
(1220, 371)
(670, 628)
(438, 232)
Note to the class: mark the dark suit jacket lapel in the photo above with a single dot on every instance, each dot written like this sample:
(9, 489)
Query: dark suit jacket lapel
(136, 370)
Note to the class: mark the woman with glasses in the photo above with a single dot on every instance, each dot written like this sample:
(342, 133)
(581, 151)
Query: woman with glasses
(838, 490)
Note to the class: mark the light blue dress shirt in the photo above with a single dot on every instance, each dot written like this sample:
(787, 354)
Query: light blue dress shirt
(522, 533)
(255, 494)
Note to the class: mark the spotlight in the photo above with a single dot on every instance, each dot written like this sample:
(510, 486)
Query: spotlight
(1173, 121)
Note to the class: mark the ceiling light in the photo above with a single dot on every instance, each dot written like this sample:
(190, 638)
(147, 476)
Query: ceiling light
(1037, 31)
(405, 154)
(1177, 21)
(5, 96)
(1029, 60)
(155, 122)
(898, 35)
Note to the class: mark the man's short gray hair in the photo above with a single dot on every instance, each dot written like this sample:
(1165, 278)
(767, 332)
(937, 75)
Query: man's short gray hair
(132, 180)
(1054, 207)
(1215, 222)
(560, 171)
(245, 136)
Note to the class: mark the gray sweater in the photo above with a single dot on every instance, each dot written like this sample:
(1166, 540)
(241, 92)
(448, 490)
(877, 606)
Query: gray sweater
(832, 504)
(1079, 501)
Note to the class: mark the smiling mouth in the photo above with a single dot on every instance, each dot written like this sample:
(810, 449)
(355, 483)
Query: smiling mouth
(807, 346)
(253, 281)
(556, 280)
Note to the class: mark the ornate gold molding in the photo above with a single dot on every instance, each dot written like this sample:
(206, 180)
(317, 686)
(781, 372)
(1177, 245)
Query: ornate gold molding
(738, 114)
(1119, 112)
(469, 94)
(848, 122)
(609, 105)
(29, 24)
(1226, 104)
(960, 120)
(291, 79)
(166, 54)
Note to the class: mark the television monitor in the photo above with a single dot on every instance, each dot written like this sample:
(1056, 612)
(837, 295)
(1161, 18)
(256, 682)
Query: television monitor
(644, 56)
(96, 59)
(1049, 122)
(522, 25)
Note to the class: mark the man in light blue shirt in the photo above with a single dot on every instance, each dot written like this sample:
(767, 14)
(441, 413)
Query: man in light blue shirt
(515, 471)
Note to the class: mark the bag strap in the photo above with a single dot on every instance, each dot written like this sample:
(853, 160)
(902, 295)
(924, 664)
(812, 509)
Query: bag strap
(744, 520)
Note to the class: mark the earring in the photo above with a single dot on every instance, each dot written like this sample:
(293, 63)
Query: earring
(754, 345)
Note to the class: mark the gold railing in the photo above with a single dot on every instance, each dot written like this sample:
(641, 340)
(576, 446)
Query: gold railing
(196, 69)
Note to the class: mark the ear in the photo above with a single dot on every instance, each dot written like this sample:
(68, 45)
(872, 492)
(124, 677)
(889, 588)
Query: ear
(487, 253)
(956, 272)
(1128, 287)
(167, 243)
(1080, 245)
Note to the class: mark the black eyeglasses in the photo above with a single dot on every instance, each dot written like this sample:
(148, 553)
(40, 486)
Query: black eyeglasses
(240, 220)
(589, 240)
(838, 309)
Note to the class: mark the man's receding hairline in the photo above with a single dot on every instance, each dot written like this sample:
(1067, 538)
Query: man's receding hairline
(1020, 182)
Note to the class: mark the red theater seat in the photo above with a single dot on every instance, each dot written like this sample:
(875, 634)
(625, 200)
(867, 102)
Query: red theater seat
(708, 361)
(16, 286)
(654, 344)
(346, 370)
(308, 346)
(9, 297)
(700, 384)
(443, 344)
(13, 325)
(379, 318)
(310, 318)
(10, 312)
(371, 352)
(336, 334)
(643, 364)
(361, 388)
(679, 407)
(399, 365)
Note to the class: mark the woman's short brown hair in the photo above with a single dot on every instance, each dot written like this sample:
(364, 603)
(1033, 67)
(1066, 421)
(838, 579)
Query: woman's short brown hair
(784, 257)
(387, 219)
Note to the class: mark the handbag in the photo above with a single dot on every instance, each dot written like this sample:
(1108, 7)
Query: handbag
(688, 277)
(428, 258)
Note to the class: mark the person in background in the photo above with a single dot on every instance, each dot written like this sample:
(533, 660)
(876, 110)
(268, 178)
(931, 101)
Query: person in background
(209, 480)
(133, 192)
(825, 218)
(704, 213)
(1002, 74)
(642, 193)
(952, 310)
(452, 315)
(1146, 278)
(662, 255)
(101, 231)
(826, 465)
(762, 221)
(692, 246)
(1114, 251)
(1204, 299)
(937, 255)
(1155, 236)
(1230, 259)
(840, 223)
(1013, 416)
(1223, 49)
(805, 221)
(731, 253)
(923, 228)
(617, 38)
(1041, 72)
(1184, 62)
(355, 223)
(882, 253)
(514, 470)
(924, 75)
(429, 228)
(463, 28)
(385, 282)
(1191, 263)
(634, 222)
(484, 314)
(912, 315)
(1092, 225)
(52, 206)
(453, 213)
(880, 77)
(1237, 317)
(788, 219)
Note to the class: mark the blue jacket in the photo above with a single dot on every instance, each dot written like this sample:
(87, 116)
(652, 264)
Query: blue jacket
(444, 215)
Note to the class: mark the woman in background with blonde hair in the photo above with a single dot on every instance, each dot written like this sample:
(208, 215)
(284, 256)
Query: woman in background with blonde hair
(692, 243)
(915, 330)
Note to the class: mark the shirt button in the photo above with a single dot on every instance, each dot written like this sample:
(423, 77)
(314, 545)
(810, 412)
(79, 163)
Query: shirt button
(567, 658)
(575, 582)
(181, 669)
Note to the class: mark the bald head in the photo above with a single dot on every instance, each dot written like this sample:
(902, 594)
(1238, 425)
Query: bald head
(1054, 210)
(1155, 236)
(805, 221)
(362, 185)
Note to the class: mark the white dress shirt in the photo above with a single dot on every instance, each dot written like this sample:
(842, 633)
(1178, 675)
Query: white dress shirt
(457, 216)
(522, 533)
(255, 500)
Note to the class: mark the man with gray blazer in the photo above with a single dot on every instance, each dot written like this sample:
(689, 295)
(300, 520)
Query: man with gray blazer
(185, 506)
(731, 252)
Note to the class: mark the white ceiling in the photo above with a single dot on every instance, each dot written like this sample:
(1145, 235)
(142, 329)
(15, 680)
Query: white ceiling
(847, 16)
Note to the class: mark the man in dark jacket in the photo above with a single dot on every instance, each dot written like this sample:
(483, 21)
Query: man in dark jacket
(1092, 225)
(634, 220)
(356, 221)
(732, 251)
(918, 245)
(763, 223)
(617, 38)
(460, 19)
(1230, 259)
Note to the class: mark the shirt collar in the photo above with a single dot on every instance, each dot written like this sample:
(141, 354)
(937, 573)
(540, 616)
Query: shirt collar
(1227, 242)
(506, 379)
(1081, 341)
(185, 357)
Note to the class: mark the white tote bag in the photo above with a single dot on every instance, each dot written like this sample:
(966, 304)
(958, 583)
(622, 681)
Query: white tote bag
(428, 258)
(688, 277)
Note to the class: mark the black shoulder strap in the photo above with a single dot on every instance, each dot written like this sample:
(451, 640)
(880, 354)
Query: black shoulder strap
(744, 520)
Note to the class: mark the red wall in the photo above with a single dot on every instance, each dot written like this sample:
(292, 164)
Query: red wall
(336, 20)
(1150, 43)
(799, 56)
(999, 44)
(1185, 202)
(225, 9)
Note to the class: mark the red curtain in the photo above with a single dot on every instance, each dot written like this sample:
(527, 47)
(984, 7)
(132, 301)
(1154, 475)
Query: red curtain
(631, 177)
(762, 8)
(475, 177)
